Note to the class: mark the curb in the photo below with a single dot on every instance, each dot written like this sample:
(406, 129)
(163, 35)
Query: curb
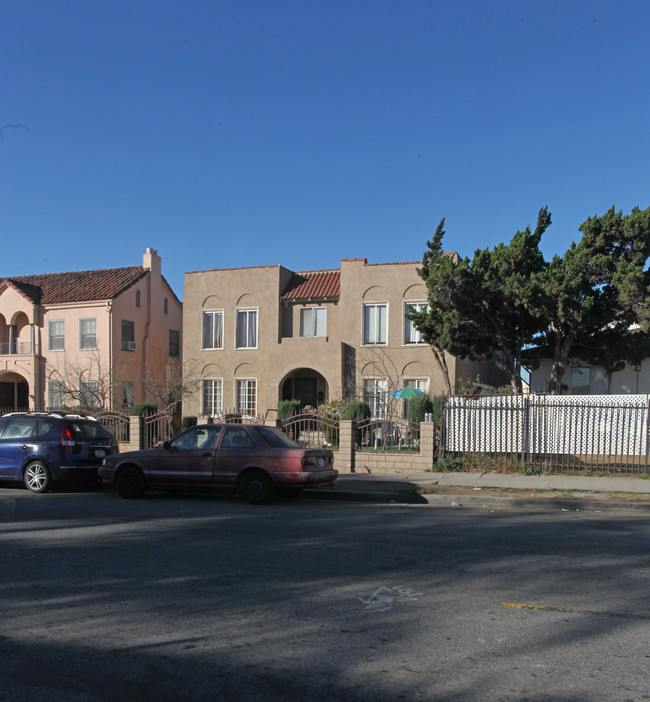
(386, 492)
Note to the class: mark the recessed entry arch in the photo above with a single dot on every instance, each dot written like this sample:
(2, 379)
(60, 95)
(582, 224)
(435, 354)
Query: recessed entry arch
(306, 385)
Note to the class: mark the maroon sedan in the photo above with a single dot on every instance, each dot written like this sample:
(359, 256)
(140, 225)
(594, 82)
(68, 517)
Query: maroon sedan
(258, 461)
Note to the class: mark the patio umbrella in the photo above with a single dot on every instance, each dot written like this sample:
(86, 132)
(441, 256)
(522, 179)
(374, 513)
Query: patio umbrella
(407, 393)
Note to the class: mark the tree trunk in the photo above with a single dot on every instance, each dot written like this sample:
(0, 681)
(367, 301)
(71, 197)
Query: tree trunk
(439, 355)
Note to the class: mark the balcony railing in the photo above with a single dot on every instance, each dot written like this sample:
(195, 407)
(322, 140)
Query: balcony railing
(8, 348)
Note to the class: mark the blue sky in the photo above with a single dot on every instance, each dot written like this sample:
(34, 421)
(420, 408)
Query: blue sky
(231, 133)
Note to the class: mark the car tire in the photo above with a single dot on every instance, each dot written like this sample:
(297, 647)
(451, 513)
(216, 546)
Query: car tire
(256, 487)
(37, 477)
(131, 483)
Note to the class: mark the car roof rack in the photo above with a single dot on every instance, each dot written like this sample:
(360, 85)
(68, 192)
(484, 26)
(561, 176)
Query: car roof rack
(57, 414)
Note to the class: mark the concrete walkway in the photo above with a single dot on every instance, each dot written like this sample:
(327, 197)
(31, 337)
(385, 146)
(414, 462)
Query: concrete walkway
(582, 492)
(504, 480)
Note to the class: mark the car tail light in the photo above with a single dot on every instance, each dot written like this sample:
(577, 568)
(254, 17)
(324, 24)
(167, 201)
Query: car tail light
(67, 437)
(308, 461)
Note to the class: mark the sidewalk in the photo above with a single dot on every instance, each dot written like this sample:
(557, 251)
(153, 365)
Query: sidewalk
(578, 492)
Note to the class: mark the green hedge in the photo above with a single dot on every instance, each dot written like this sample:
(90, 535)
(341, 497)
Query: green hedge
(288, 408)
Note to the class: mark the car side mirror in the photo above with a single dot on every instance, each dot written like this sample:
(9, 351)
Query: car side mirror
(166, 445)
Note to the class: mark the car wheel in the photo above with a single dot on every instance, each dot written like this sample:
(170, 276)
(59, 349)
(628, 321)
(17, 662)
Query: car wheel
(290, 493)
(36, 477)
(256, 487)
(131, 483)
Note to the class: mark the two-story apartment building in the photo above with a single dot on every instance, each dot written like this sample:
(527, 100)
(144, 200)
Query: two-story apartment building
(260, 335)
(87, 337)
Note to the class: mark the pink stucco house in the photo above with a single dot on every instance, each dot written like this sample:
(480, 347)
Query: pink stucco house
(87, 337)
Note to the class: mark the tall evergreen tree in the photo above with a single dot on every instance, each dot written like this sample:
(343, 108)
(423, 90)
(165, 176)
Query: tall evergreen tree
(488, 306)
(597, 297)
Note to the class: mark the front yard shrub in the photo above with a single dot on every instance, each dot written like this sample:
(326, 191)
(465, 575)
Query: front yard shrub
(188, 422)
(357, 410)
(144, 409)
(288, 408)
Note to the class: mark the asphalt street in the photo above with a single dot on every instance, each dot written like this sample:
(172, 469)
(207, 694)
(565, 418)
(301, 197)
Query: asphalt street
(209, 598)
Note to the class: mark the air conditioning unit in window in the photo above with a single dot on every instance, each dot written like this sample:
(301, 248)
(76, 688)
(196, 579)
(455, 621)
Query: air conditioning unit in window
(128, 346)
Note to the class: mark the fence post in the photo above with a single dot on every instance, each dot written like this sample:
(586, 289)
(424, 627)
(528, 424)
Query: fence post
(136, 425)
(427, 442)
(346, 454)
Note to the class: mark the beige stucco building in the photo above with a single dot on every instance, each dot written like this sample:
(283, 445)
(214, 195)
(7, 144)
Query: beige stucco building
(259, 335)
(88, 337)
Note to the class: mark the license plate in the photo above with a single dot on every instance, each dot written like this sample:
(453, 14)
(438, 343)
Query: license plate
(321, 462)
(100, 453)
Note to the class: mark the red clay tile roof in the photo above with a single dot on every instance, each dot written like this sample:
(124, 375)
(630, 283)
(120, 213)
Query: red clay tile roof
(314, 285)
(79, 286)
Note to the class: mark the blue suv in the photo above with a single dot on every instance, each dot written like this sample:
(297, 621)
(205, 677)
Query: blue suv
(40, 448)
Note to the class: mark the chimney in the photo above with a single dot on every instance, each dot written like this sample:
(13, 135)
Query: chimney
(151, 260)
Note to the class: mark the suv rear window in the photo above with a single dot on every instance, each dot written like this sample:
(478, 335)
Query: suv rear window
(87, 431)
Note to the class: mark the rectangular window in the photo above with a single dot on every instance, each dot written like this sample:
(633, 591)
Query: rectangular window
(313, 321)
(174, 343)
(587, 380)
(374, 324)
(418, 384)
(88, 334)
(246, 333)
(88, 394)
(128, 335)
(212, 397)
(56, 394)
(375, 393)
(128, 395)
(212, 329)
(411, 334)
(247, 396)
(57, 335)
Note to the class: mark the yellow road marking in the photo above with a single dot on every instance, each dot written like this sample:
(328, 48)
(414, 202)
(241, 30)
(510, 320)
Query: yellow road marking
(544, 608)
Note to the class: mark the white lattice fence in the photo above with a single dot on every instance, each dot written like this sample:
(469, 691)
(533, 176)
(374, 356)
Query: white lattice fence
(595, 425)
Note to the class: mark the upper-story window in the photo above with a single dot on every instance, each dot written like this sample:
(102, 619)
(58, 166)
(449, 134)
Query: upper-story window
(212, 334)
(375, 318)
(313, 321)
(174, 343)
(56, 335)
(246, 332)
(411, 334)
(128, 335)
(88, 334)
(137, 298)
(165, 306)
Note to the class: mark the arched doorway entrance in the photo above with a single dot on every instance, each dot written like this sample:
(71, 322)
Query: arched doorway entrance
(306, 385)
(14, 393)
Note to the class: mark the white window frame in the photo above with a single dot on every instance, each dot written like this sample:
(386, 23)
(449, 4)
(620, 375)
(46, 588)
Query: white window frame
(247, 328)
(372, 327)
(413, 337)
(56, 391)
(128, 339)
(212, 397)
(313, 321)
(244, 389)
(217, 342)
(60, 346)
(375, 393)
(87, 339)
(128, 394)
(88, 390)
(418, 384)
